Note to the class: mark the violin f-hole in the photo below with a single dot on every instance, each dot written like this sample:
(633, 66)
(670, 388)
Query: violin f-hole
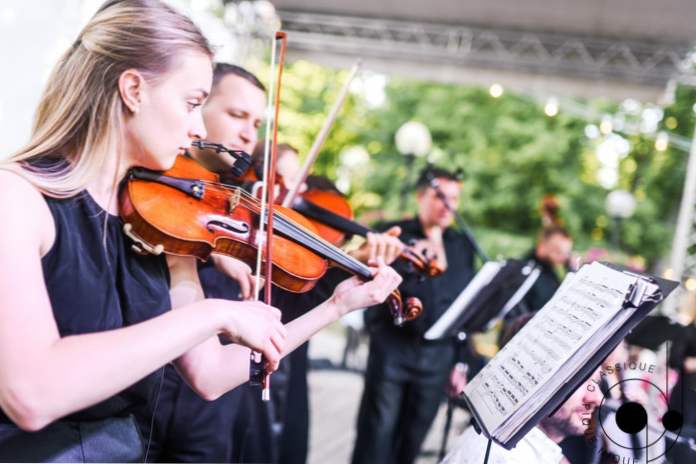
(225, 224)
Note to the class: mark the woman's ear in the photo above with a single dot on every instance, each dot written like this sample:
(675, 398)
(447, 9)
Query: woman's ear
(130, 86)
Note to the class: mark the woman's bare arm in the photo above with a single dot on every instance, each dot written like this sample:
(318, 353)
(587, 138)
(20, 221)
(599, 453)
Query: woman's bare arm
(43, 376)
(213, 369)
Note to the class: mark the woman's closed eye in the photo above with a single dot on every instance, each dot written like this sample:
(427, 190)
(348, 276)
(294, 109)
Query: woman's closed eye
(193, 104)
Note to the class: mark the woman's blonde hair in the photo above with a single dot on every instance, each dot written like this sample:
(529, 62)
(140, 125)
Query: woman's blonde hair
(80, 113)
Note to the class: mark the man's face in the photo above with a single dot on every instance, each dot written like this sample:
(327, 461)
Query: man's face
(578, 407)
(432, 210)
(234, 113)
(555, 249)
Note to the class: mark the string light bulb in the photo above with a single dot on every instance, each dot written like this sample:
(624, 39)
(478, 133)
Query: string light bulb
(661, 141)
(551, 107)
(496, 90)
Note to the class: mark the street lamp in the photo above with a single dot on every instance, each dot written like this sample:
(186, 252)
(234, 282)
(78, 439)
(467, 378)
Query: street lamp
(412, 140)
(620, 205)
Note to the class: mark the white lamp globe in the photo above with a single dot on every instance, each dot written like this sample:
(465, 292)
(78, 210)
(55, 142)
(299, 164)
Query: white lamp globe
(413, 138)
(620, 204)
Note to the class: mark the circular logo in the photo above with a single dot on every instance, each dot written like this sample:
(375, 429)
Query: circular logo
(628, 425)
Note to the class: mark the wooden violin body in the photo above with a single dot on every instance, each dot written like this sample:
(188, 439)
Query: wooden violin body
(179, 212)
(333, 202)
(332, 217)
(186, 211)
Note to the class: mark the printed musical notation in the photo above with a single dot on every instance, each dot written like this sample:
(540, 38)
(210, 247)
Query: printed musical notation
(580, 308)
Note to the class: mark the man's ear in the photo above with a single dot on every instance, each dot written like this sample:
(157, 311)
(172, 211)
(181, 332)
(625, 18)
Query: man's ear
(130, 86)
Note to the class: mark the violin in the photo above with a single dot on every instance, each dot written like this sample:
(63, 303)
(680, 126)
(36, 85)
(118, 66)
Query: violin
(332, 217)
(187, 211)
(336, 204)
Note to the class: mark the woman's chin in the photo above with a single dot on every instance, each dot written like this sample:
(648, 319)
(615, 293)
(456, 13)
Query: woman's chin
(170, 163)
(163, 163)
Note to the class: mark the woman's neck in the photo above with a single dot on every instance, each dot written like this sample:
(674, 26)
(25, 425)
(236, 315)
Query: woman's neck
(104, 188)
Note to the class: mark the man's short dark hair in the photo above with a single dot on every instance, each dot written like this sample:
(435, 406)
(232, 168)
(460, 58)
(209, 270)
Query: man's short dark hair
(221, 70)
(430, 173)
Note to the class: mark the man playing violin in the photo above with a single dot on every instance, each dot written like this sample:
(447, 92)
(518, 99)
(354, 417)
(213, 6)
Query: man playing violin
(407, 375)
(292, 407)
(234, 428)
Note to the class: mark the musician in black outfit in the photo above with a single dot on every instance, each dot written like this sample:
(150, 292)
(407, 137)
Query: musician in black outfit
(238, 426)
(551, 252)
(86, 322)
(407, 375)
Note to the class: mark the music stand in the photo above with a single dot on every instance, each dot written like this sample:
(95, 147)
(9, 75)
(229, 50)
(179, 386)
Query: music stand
(495, 290)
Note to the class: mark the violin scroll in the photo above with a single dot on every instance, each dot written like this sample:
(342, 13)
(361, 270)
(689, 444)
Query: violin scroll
(414, 308)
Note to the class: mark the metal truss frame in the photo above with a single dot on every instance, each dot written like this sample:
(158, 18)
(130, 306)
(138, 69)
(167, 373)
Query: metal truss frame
(651, 63)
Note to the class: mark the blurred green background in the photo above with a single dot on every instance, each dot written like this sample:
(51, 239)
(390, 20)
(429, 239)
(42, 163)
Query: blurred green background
(511, 152)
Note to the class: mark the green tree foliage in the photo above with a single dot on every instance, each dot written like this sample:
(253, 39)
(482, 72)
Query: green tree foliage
(307, 95)
(510, 152)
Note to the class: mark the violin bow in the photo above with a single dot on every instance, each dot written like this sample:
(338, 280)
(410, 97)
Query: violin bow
(267, 199)
(321, 137)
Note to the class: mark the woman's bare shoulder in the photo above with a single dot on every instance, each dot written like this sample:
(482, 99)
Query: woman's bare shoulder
(24, 208)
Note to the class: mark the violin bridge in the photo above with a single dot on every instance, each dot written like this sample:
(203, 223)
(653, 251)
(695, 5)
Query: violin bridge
(233, 201)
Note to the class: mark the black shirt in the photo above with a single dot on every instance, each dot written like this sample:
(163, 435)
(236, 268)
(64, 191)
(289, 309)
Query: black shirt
(436, 293)
(544, 287)
(95, 286)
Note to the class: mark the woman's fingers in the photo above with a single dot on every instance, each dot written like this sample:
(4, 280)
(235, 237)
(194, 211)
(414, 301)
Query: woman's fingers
(384, 280)
(245, 286)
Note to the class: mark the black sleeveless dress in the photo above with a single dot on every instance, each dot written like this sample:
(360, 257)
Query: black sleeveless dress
(95, 283)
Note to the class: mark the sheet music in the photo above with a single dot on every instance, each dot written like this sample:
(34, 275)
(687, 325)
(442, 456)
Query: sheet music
(577, 311)
(640, 292)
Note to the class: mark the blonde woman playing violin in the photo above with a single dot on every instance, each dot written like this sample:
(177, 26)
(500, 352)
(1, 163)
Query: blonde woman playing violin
(84, 321)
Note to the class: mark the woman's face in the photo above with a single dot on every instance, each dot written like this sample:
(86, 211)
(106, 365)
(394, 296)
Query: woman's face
(168, 113)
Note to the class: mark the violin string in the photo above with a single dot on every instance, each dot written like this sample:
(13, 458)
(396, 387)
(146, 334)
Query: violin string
(298, 231)
(407, 253)
(253, 201)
